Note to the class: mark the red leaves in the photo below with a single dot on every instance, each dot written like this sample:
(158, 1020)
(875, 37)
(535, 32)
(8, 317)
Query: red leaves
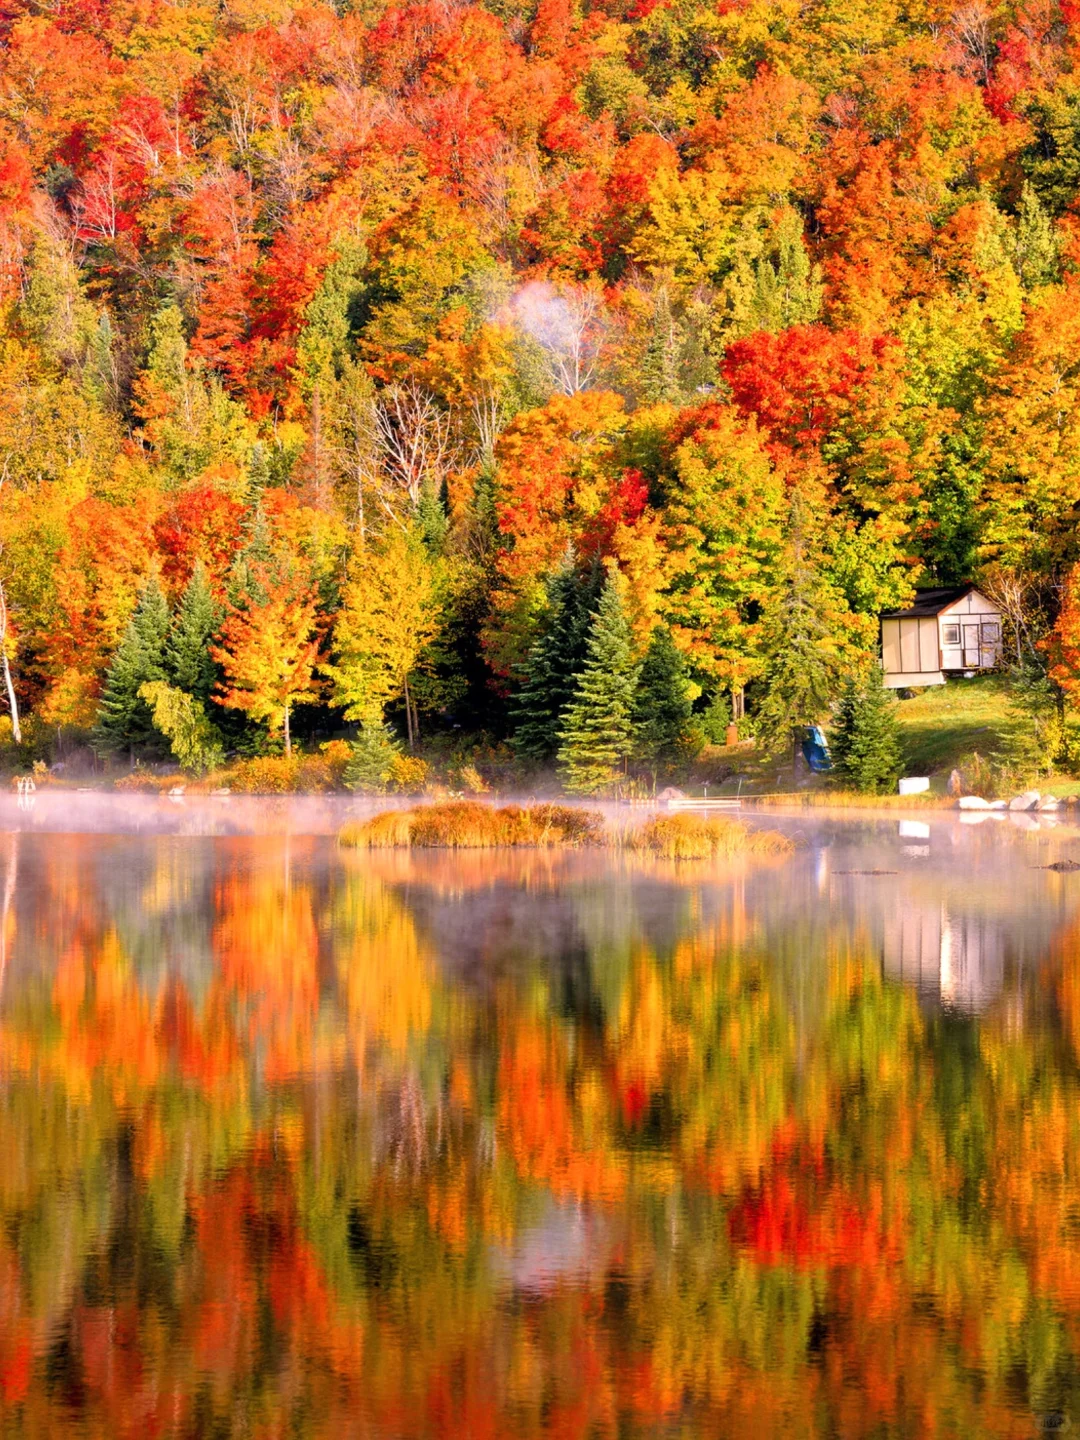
(799, 383)
(200, 524)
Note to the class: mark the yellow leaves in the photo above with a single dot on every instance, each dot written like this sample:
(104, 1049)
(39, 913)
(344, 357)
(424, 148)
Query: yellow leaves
(390, 613)
(385, 973)
(691, 228)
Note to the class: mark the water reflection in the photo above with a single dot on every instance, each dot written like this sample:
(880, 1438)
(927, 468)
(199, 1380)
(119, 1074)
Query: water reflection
(303, 1143)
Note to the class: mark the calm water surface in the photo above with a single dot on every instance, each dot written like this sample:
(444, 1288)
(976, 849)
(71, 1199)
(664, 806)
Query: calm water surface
(295, 1142)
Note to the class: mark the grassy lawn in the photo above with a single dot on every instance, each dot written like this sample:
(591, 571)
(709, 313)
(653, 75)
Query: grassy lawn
(947, 723)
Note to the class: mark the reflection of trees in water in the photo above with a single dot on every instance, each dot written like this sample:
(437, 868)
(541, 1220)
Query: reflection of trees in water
(546, 1155)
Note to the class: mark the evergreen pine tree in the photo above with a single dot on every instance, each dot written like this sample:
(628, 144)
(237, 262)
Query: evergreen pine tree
(552, 667)
(662, 705)
(371, 763)
(124, 719)
(799, 640)
(597, 731)
(864, 739)
(187, 656)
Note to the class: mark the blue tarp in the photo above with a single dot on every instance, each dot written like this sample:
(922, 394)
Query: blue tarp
(816, 749)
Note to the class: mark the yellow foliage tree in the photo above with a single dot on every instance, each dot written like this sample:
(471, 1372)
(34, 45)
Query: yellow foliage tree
(390, 614)
(269, 654)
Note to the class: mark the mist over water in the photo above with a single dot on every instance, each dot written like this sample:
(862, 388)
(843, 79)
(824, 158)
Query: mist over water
(318, 1142)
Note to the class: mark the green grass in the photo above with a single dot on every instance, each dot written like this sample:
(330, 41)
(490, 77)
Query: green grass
(945, 724)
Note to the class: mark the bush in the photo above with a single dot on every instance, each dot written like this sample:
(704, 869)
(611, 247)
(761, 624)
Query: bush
(266, 775)
(408, 774)
(471, 781)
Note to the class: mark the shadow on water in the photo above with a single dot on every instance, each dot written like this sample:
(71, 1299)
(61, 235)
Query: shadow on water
(308, 1142)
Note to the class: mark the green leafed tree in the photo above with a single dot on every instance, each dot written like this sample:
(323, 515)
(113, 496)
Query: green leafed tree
(552, 667)
(195, 742)
(188, 660)
(597, 732)
(124, 721)
(662, 704)
(864, 739)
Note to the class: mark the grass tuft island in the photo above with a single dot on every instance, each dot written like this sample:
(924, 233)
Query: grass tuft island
(466, 824)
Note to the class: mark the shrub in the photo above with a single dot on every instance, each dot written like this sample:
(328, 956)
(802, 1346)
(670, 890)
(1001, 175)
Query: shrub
(182, 720)
(408, 774)
(471, 781)
(267, 775)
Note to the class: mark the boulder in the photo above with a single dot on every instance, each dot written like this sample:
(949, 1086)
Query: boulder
(973, 802)
(1048, 802)
(671, 792)
(1027, 801)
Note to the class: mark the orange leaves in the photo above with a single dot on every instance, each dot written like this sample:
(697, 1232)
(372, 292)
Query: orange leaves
(546, 1121)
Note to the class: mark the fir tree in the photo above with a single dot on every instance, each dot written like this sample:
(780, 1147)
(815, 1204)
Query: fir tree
(124, 719)
(799, 639)
(371, 763)
(864, 740)
(597, 731)
(552, 668)
(662, 706)
(187, 657)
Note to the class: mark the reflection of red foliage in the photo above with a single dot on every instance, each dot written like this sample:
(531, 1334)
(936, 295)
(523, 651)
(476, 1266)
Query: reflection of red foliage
(801, 1214)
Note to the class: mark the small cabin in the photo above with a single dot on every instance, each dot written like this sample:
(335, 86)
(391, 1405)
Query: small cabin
(955, 630)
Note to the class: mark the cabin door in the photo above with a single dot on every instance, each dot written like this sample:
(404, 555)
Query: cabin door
(972, 650)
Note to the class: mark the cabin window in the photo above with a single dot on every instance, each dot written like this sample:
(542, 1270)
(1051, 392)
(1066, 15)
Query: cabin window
(950, 634)
(991, 632)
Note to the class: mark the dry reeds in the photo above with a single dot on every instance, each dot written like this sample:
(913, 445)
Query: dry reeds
(471, 825)
(851, 800)
(692, 837)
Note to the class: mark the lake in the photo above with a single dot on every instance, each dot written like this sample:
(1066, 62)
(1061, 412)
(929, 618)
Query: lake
(299, 1142)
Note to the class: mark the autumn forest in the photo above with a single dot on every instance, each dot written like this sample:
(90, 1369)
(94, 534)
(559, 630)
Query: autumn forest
(389, 367)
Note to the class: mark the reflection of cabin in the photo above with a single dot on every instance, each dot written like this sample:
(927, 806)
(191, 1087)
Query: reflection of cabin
(951, 630)
(954, 958)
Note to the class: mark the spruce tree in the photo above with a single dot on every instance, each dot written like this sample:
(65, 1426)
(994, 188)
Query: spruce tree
(864, 739)
(371, 763)
(124, 718)
(800, 640)
(597, 731)
(552, 668)
(187, 656)
(662, 705)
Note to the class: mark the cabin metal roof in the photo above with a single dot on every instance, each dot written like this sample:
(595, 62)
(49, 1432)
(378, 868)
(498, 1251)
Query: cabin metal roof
(930, 602)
